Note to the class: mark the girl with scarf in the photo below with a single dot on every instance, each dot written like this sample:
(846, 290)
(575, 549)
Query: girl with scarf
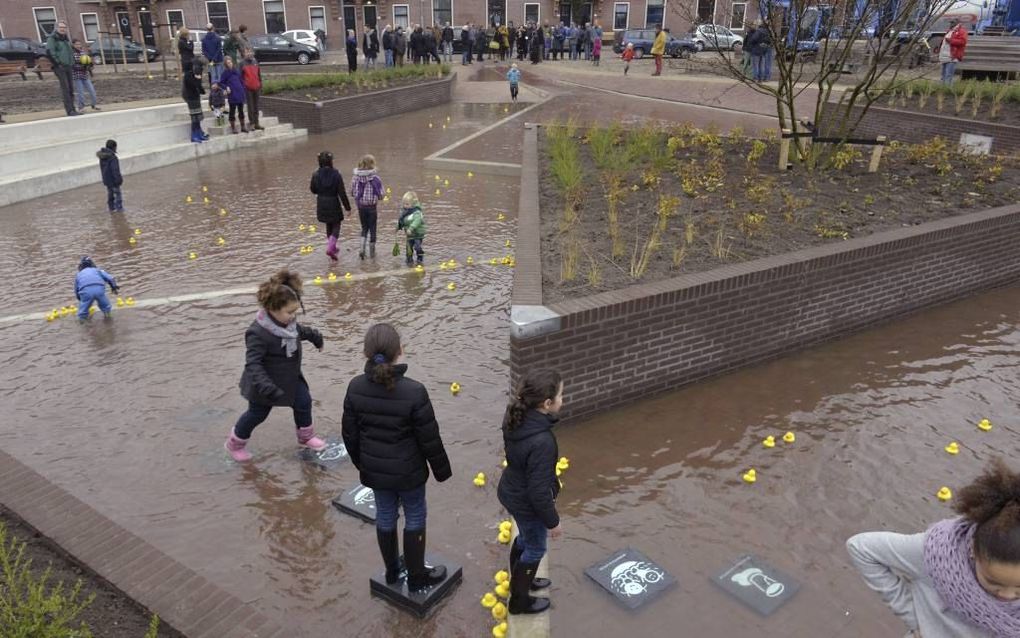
(328, 187)
(272, 365)
(961, 578)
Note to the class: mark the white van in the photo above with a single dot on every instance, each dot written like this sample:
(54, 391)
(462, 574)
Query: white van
(304, 36)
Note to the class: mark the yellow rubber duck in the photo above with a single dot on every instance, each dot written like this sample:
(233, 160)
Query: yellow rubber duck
(438, 178)
(750, 476)
(503, 589)
(953, 448)
(455, 390)
(317, 281)
(512, 262)
(559, 470)
(301, 227)
(506, 109)
(489, 599)
(984, 424)
(504, 526)
(138, 231)
(130, 301)
(419, 268)
(470, 260)
(500, 217)
(389, 191)
(789, 437)
(430, 124)
(386, 198)
(505, 261)
(192, 255)
(332, 276)
(188, 200)
(442, 265)
(92, 310)
(150, 76)
(770, 441)
(499, 631)
(221, 242)
(205, 200)
(120, 302)
(479, 479)
(452, 263)
(451, 286)
(507, 244)
(50, 317)
(501, 576)
(944, 494)
(447, 118)
(205, 189)
(503, 537)
(504, 463)
(563, 462)
(470, 174)
(437, 191)
(493, 261)
(499, 611)
(223, 212)
(348, 275)
(132, 241)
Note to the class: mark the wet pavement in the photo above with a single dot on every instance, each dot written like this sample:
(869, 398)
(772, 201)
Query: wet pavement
(130, 415)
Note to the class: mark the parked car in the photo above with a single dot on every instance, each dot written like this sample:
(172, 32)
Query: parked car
(643, 39)
(21, 50)
(304, 36)
(715, 36)
(111, 51)
(280, 48)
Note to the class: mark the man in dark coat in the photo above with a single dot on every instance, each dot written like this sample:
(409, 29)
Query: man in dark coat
(447, 38)
(58, 49)
(399, 46)
(417, 44)
(352, 51)
(465, 45)
(387, 45)
(370, 47)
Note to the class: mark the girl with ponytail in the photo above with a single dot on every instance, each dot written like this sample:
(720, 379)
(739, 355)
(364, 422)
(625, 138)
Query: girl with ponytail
(962, 576)
(272, 365)
(392, 437)
(528, 486)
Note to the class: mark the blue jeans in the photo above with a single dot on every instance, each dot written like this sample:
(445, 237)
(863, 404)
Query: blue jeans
(532, 538)
(414, 245)
(448, 51)
(113, 199)
(257, 413)
(948, 71)
(768, 65)
(81, 86)
(758, 67)
(389, 57)
(386, 514)
(466, 56)
(94, 293)
(215, 71)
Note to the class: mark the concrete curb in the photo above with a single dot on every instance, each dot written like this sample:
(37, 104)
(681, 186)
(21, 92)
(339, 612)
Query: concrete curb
(183, 599)
(531, 625)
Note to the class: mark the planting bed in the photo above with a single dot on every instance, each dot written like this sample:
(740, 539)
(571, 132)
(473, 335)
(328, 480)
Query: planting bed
(317, 94)
(690, 201)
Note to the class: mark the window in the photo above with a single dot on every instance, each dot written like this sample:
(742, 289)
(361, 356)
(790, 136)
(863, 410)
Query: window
(349, 18)
(175, 20)
(737, 16)
(400, 18)
(371, 16)
(566, 10)
(218, 16)
(621, 15)
(276, 21)
(45, 21)
(706, 11)
(317, 19)
(1, 30)
(585, 16)
(532, 12)
(496, 12)
(442, 12)
(90, 26)
(654, 12)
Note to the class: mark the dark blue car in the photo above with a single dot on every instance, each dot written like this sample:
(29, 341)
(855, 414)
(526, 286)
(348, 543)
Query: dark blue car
(644, 38)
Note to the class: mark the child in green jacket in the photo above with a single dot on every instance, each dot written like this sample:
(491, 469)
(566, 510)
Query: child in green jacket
(412, 222)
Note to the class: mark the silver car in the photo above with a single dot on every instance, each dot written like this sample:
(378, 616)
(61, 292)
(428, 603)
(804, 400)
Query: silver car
(715, 36)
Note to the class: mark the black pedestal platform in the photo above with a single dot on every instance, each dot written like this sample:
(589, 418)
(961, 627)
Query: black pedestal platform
(417, 603)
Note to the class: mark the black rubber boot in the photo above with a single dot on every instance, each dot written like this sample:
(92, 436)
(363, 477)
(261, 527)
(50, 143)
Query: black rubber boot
(515, 555)
(390, 551)
(522, 602)
(419, 576)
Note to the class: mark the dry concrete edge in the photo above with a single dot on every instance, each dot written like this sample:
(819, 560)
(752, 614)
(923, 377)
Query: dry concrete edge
(531, 625)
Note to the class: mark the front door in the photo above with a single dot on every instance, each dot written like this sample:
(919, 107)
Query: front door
(145, 19)
(124, 24)
(496, 12)
(370, 16)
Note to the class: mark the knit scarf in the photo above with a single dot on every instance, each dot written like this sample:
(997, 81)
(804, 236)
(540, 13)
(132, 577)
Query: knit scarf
(288, 336)
(947, 559)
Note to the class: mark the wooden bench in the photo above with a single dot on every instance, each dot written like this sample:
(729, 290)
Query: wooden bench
(10, 68)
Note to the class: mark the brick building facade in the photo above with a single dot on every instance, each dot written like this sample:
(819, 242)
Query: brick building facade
(156, 19)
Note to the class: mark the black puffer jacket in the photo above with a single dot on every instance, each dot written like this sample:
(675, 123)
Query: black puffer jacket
(270, 377)
(328, 186)
(528, 486)
(391, 434)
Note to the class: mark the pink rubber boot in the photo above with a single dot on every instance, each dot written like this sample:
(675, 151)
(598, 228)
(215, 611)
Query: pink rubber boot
(235, 446)
(331, 248)
(306, 437)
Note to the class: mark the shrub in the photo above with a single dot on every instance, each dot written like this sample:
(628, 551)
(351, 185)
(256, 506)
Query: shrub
(379, 77)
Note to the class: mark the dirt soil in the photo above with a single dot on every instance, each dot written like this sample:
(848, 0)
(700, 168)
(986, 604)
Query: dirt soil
(111, 614)
(1008, 115)
(735, 211)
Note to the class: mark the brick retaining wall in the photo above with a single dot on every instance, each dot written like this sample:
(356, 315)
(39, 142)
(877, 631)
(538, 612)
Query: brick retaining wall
(617, 346)
(917, 128)
(329, 115)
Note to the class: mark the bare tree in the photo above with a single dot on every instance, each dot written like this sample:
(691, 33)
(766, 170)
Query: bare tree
(857, 48)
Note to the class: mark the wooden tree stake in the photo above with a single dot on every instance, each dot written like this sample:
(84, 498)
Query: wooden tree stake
(876, 154)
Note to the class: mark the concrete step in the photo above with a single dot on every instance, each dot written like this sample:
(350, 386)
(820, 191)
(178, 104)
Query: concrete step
(214, 130)
(31, 184)
(90, 125)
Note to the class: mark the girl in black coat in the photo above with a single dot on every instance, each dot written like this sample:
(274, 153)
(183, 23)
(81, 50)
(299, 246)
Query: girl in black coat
(328, 187)
(392, 437)
(528, 486)
(272, 365)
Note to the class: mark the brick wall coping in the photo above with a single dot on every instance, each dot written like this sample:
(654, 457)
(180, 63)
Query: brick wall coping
(184, 600)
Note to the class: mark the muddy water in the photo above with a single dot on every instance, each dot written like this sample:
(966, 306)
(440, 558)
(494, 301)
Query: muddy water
(130, 415)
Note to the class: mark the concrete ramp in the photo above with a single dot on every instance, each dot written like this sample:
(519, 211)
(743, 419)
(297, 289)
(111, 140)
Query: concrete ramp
(48, 156)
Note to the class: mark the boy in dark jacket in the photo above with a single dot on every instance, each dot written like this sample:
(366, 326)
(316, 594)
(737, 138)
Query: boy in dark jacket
(391, 434)
(109, 166)
(192, 93)
(528, 486)
(272, 365)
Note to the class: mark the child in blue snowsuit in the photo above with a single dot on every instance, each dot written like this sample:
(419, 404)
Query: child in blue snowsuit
(90, 286)
(514, 77)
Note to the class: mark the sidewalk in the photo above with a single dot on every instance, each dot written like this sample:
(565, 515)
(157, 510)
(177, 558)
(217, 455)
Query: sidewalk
(118, 106)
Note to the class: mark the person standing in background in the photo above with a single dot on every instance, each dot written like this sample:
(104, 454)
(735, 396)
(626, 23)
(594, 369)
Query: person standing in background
(58, 49)
(212, 49)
